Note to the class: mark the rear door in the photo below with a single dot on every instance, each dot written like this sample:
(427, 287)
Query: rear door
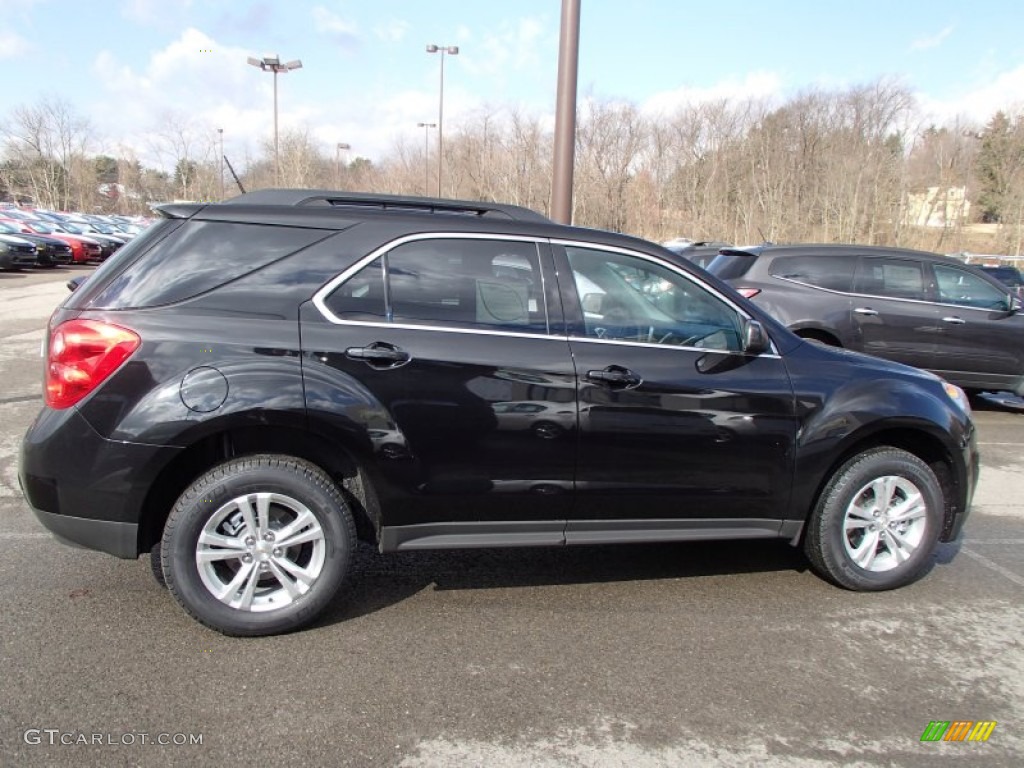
(892, 315)
(678, 429)
(456, 341)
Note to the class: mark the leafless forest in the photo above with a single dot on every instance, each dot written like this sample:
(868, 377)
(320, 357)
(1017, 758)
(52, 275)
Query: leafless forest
(851, 165)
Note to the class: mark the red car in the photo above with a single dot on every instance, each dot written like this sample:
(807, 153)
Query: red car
(83, 249)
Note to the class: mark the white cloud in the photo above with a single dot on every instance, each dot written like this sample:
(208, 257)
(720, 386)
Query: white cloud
(12, 45)
(755, 85)
(332, 25)
(154, 12)
(394, 31)
(514, 47)
(932, 41)
(1004, 91)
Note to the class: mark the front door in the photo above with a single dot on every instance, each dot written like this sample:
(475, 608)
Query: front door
(982, 343)
(677, 424)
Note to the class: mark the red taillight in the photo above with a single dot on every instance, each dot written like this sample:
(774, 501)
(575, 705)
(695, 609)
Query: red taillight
(82, 354)
(748, 293)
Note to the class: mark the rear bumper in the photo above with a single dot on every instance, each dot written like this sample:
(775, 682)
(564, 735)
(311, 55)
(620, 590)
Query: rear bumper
(119, 539)
(89, 491)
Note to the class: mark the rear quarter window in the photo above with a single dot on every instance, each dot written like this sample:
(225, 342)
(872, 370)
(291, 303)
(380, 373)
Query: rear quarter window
(833, 272)
(729, 265)
(198, 257)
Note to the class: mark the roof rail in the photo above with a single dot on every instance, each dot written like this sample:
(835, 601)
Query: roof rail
(321, 197)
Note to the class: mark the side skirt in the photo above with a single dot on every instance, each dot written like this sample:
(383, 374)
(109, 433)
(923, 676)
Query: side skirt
(553, 533)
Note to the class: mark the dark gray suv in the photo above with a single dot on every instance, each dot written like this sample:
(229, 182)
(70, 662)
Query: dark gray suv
(913, 307)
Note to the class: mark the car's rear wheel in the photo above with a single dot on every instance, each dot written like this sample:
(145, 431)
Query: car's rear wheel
(877, 522)
(258, 545)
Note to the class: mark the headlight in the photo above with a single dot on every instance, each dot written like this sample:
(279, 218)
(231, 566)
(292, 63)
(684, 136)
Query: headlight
(958, 396)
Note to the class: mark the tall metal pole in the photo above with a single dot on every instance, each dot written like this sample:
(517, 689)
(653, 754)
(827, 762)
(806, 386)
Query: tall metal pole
(273, 64)
(565, 113)
(451, 50)
(426, 154)
(440, 129)
(277, 146)
(220, 162)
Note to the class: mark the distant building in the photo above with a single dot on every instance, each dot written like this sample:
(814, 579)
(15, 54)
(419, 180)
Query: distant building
(939, 207)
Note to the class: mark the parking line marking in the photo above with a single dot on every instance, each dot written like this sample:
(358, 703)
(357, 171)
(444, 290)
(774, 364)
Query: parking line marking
(994, 566)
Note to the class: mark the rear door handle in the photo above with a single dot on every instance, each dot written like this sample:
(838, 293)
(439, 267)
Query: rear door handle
(954, 320)
(616, 377)
(865, 311)
(379, 354)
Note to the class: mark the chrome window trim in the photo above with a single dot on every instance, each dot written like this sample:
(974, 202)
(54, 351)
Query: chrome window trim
(320, 297)
(703, 350)
(447, 329)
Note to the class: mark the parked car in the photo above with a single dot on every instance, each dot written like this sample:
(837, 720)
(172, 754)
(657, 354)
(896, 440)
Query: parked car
(248, 387)
(108, 244)
(50, 251)
(83, 249)
(926, 310)
(16, 253)
(1008, 276)
(700, 253)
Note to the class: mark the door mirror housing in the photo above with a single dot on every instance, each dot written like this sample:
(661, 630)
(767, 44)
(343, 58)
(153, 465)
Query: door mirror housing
(755, 338)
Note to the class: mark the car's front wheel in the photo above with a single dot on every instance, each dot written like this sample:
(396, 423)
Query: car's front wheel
(877, 521)
(258, 545)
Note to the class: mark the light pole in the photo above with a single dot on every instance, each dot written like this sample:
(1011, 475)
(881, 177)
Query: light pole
(337, 160)
(273, 64)
(220, 162)
(426, 155)
(451, 50)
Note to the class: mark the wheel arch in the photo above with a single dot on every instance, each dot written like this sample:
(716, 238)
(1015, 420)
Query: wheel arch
(914, 439)
(338, 460)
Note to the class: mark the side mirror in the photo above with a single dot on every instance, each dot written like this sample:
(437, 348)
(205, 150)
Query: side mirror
(75, 282)
(755, 339)
(1015, 304)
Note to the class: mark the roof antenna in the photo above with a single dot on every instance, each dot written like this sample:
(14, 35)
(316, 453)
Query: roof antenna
(764, 240)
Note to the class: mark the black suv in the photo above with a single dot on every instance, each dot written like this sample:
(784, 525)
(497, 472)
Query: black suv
(248, 387)
(914, 307)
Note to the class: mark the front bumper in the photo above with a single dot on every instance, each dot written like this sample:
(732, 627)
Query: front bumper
(969, 482)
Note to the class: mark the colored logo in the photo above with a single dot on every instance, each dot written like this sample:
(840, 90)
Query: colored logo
(958, 730)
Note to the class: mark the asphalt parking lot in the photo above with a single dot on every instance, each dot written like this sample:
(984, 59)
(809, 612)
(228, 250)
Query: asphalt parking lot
(728, 654)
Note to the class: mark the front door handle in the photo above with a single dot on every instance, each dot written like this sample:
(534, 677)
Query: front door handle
(616, 377)
(379, 354)
(954, 320)
(865, 311)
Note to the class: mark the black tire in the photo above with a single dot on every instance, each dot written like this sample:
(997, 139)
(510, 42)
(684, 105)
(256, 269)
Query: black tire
(156, 565)
(830, 545)
(288, 488)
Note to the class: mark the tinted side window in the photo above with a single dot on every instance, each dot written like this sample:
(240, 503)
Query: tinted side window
(894, 278)
(731, 264)
(200, 256)
(626, 298)
(467, 283)
(361, 297)
(832, 272)
(463, 283)
(957, 286)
